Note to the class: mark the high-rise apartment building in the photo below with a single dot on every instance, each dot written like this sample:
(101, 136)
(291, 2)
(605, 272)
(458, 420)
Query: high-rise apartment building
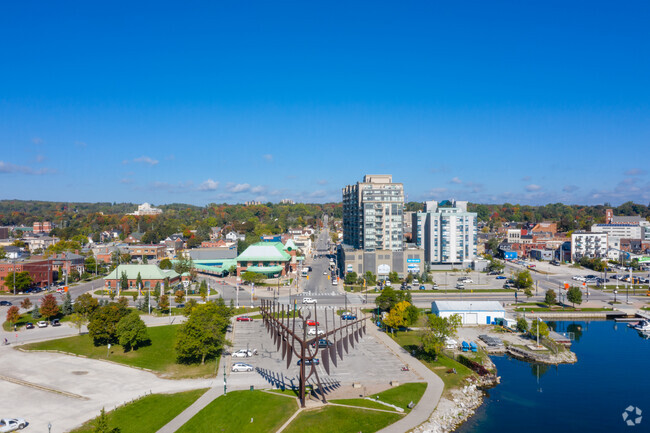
(449, 232)
(373, 214)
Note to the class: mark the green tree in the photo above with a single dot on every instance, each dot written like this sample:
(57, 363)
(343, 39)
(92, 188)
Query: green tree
(132, 332)
(412, 315)
(156, 292)
(203, 335)
(165, 264)
(351, 278)
(183, 265)
(543, 329)
(36, 313)
(49, 307)
(523, 279)
(138, 282)
(189, 307)
(3, 253)
(436, 332)
(124, 282)
(522, 324)
(66, 307)
(253, 277)
(100, 425)
(203, 290)
(371, 279)
(102, 327)
(85, 305)
(393, 277)
(23, 281)
(387, 299)
(550, 298)
(574, 295)
(495, 266)
(78, 321)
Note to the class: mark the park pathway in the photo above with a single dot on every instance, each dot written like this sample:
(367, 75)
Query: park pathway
(423, 410)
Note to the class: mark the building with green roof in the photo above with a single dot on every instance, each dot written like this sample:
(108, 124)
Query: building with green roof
(269, 258)
(150, 275)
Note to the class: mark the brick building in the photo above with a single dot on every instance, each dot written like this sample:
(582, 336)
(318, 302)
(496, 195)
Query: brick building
(40, 270)
(150, 274)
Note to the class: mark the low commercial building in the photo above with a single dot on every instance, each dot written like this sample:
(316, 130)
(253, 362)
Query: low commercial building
(539, 254)
(381, 262)
(150, 275)
(150, 252)
(471, 313)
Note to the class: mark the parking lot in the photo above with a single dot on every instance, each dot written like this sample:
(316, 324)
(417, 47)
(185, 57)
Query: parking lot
(369, 363)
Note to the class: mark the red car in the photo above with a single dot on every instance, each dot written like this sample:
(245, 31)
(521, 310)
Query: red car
(244, 319)
(312, 323)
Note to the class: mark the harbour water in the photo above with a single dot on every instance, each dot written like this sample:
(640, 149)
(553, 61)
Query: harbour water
(612, 374)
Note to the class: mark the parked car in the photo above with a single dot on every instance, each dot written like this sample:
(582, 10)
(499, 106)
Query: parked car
(508, 286)
(29, 325)
(348, 316)
(5, 303)
(56, 322)
(308, 300)
(312, 323)
(423, 288)
(312, 331)
(42, 324)
(240, 366)
(322, 343)
(309, 361)
(242, 353)
(460, 286)
(244, 319)
(500, 277)
(12, 424)
(555, 263)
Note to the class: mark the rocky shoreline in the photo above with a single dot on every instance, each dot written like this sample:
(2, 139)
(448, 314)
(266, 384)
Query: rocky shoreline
(450, 413)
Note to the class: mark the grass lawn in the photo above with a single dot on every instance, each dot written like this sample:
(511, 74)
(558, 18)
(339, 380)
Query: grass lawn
(411, 341)
(126, 293)
(159, 356)
(148, 414)
(244, 310)
(399, 396)
(24, 319)
(233, 413)
(340, 420)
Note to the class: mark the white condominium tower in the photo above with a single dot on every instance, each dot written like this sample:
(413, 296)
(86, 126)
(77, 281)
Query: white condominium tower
(373, 214)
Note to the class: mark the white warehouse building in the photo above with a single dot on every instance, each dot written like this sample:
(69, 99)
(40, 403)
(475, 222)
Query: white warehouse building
(471, 313)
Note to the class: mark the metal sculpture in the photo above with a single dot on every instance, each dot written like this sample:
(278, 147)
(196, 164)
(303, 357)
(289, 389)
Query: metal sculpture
(293, 340)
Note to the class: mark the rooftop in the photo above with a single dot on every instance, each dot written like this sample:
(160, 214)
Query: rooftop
(467, 306)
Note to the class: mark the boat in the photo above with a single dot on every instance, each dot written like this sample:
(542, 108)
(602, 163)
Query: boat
(643, 325)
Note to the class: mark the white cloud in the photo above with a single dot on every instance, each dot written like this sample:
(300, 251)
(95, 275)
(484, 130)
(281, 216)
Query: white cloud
(238, 187)
(146, 160)
(635, 172)
(209, 185)
(258, 189)
(532, 187)
(456, 180)
(268, 157)
(6, 167)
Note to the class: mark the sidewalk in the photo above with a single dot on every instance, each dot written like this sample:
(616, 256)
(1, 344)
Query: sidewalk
(431, 396)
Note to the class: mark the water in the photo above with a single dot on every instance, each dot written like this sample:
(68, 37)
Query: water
(612, 373)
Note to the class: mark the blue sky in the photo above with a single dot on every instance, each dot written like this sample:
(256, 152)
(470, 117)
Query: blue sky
(201, 102)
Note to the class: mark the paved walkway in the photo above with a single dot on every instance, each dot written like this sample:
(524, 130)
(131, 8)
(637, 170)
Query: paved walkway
(431, 396)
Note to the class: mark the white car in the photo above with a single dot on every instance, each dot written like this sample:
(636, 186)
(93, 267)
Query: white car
(240, 366)
(41, 324)
(579, 278)
(308, 300)
(243, 353)
(312, 331)
(12, 424)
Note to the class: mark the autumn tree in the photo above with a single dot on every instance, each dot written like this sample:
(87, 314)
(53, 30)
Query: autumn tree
(49, 307)
(179, 296)
(26, 304)
(163, 303)
(13, 315)
(102, 327)
(85, 305)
